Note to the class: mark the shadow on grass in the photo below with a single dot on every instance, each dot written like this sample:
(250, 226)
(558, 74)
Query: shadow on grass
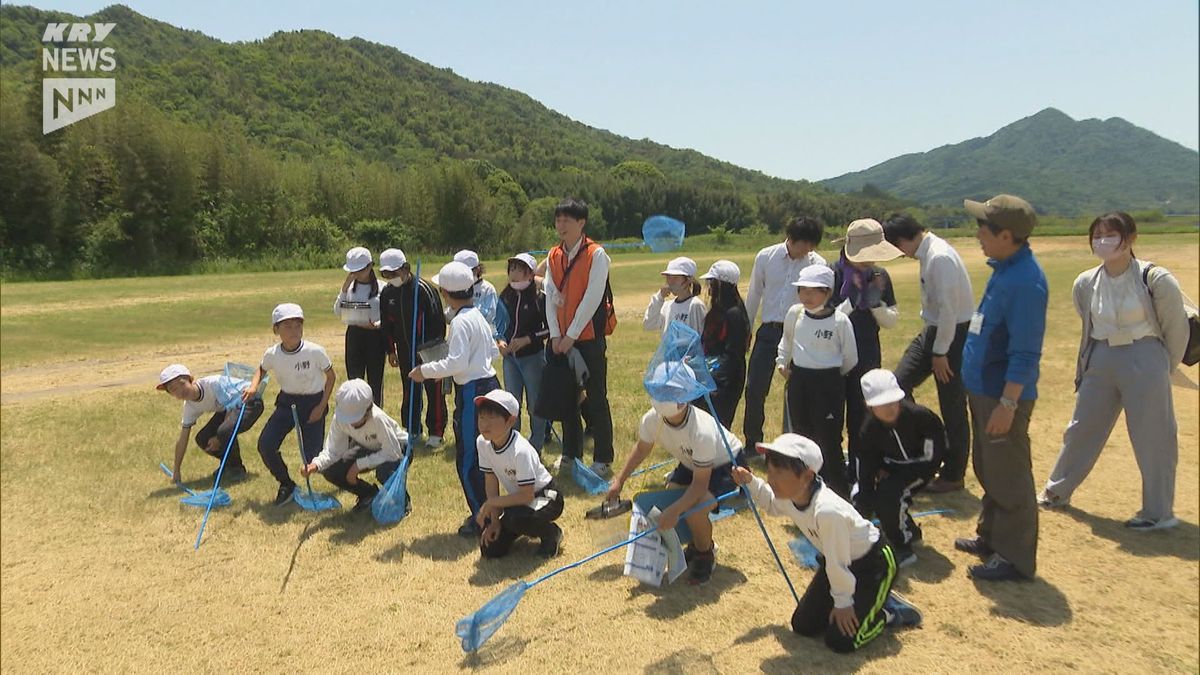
(520, 563)
(931, 567)
(443, 546)
(394, 554)
(688, 661)
(1181, 541)
(496, 652)
(1036, 602)
(809, 654)
(679, 598)
(305, 534)
(965, 504)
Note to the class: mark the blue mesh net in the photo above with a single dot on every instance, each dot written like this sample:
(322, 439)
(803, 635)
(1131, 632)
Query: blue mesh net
(478, 627)
(233, 382)
(663, 233)
(309, 500)
(391, 502)
(677, 372)
(587, 479)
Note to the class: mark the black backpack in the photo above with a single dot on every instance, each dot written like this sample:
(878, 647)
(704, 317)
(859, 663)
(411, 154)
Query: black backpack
(1191, 355)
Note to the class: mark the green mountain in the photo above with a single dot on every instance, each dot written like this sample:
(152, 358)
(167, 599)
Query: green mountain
(304, 142)
(1059, 164)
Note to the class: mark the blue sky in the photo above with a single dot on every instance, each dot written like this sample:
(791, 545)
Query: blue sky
(796, 89)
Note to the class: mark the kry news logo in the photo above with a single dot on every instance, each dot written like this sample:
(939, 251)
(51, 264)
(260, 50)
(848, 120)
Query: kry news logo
(66, 100)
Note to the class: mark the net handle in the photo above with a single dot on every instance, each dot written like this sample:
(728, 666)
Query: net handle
(220, 470)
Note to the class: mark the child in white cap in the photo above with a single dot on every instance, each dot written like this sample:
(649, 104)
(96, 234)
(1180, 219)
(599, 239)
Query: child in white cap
(362, 437)
(305, 375)
(816, 351)
(530, 502)
(726, 338)
(483, 292)
(472, 348)
(901, 444)
(679, 280)
(849, 599)
(200, 396)
(357, 305)
(523, 341)
(396, 322)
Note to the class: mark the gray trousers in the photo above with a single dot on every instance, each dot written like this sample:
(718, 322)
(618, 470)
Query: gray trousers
(1134, 378)
(1008, 515)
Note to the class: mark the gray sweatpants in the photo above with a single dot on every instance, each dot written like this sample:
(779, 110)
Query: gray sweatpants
(1135, 378)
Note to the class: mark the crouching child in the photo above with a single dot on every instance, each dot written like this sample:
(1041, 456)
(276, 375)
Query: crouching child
(530, 503)
(849, 600)
(362, 437)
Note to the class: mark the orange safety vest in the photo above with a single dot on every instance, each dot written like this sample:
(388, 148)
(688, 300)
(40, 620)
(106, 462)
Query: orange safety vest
(571, 294)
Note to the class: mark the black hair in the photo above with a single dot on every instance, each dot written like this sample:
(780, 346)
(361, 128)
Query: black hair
(572, 208)
(493, 408)
(726, 296)
(901, 226)
(374, 282)
(462, 295)
(782, 461)
(806, 229)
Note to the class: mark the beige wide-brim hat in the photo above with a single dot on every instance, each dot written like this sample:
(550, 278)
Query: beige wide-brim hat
(864, 243)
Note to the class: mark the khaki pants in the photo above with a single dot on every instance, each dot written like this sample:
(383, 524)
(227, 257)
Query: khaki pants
(1008, 520)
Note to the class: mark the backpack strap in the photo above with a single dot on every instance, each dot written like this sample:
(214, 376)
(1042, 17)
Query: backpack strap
(1146, 277)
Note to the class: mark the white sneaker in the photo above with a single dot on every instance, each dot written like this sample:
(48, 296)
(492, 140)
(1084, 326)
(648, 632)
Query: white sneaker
(1146, 525)
(602, 469)
(433, 442)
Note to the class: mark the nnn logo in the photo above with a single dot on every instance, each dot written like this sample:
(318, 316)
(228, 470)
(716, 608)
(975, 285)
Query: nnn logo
(66, 100)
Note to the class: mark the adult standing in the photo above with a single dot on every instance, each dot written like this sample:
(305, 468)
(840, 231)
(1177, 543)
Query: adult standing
(946, 305)
(775, 269)
(1134, 334)
(1000, 373)
(579, 314)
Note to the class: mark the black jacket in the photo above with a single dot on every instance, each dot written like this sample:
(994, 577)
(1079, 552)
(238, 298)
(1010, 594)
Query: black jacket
(866, 328)
(395, 317)
(526, 317)
(726, 337)
(915, 442)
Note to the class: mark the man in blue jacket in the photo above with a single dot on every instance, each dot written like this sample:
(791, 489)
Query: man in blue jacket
(1000, 374)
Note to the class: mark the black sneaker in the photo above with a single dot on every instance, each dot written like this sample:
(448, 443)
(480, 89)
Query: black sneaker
(363, 503)
(284, 495)
(701, 568)
(995, 569)
(973, 545)
(903, 556)
(551, 544)
(407, 504)
(469, 529)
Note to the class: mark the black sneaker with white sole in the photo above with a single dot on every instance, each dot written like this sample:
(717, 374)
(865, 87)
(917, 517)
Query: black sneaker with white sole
(551, 544)
(700, 568)
(284, 496)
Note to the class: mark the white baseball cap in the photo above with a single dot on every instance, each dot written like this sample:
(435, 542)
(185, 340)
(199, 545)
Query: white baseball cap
(880, 387)
(285, 311)
(392, 259)
(468, 258)
(682, 266)
(815, 276)
(357, 259)
(171, 372)
(455, 277)
(864, 242)
(796, 447)
(723, 270)
(503, 399)
(353, 399)
(525, 259)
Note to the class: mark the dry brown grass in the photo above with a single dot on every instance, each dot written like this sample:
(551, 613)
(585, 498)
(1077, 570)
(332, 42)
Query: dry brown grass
(98, 572)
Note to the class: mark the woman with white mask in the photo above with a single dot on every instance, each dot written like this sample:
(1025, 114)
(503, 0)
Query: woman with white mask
(1134, 334)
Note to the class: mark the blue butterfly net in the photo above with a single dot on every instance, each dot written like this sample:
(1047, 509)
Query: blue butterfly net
(677, 372)
(663, 233)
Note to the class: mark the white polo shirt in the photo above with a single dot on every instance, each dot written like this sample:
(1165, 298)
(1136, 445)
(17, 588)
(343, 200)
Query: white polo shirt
(695, 443)
(381, 436)
(817, 343)
(771, 282)
(515, 464)
(300, 372)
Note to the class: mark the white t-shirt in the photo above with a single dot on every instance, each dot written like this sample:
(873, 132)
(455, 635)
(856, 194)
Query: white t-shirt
(695, 443)
(207, 403)
(472, 350)
(300, 372)
(660, 314)
(381, 436)
(515, 465)
(817, 344)
(1118, 315)
(833, 526)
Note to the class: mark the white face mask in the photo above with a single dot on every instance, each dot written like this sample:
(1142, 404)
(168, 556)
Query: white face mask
(519, 285)
(396, 281)
(1106, 248)
(666, 409)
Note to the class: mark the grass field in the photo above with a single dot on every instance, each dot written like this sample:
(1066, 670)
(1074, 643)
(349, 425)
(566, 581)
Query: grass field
(98, 571)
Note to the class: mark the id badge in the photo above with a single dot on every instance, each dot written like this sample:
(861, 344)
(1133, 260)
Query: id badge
(976, 323)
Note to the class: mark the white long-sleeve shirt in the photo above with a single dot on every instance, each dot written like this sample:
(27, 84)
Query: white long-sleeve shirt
(381, 436)
(471, 350)
(591, 297)
(771, 282)
(833, 526)
(817, 343)
(946, 296)
(660, 313)
(344, 307)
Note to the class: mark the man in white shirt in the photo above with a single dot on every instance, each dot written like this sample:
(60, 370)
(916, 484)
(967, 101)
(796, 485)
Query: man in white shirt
(947, 303)
(580, 314)
(775, 268)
